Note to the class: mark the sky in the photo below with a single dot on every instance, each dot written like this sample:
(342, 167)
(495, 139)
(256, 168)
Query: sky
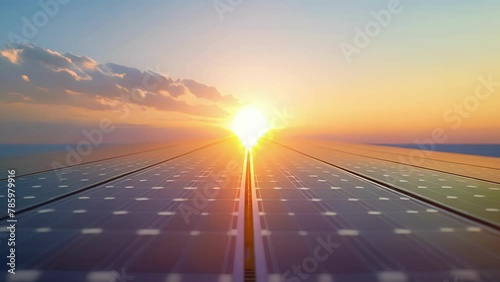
(421, 70)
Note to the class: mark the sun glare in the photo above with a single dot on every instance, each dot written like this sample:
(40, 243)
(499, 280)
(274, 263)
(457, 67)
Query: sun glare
(249, 125)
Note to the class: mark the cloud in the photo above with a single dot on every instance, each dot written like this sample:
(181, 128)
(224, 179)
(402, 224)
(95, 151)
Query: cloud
(11, 55)
(32, 74)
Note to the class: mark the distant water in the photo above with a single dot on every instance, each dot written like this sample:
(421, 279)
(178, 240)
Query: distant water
(13, 150)
(488, 150)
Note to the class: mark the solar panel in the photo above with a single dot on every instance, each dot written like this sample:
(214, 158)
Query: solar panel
(372, 233)
(44, 186)
(475, 197)
(218, 214)
(171, 221)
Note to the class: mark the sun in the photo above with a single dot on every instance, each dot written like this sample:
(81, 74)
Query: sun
(249, 125)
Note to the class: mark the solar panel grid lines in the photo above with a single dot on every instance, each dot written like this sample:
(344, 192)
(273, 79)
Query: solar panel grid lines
(450, 160)
(130, 208)
(310, 195)
(373, 226)
(467, 207)
(414, 158)
(38, 163)
(45, 162)
(184, 220)
(50, 187)
(75, 184)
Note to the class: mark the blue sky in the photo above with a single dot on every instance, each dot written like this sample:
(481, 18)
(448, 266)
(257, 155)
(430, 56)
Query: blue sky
(173, 34)
(286, 53)
(170, 32)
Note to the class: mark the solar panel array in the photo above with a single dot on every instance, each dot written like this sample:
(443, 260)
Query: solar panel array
(177, 215)
(374, 234)
(176, 220)
(477, 197)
